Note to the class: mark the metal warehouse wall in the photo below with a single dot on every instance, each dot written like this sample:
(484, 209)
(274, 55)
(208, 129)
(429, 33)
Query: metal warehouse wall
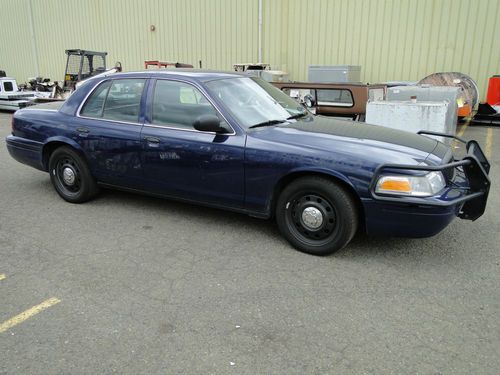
(390, 39)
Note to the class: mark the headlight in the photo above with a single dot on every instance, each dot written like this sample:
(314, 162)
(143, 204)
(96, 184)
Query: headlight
(418, 186)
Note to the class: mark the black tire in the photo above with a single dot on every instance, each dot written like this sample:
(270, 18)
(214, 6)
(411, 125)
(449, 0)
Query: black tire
(316, 215)
(71, 176)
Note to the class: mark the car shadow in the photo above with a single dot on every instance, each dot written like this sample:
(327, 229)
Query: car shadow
(186, 209)
(361, 248)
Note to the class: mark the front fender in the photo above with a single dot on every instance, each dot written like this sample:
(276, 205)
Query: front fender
(318, 170)
(292, 174)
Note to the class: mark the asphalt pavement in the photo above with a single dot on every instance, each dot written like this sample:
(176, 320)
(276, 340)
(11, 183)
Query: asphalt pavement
(137, 285)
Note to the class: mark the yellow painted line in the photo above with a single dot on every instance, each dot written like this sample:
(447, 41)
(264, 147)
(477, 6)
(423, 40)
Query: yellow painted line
(489, 143)
(464, 127)
(2, 276)
(28, 314)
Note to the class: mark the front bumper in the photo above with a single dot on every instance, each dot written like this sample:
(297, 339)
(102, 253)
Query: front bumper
(404, 220)
(466, 202)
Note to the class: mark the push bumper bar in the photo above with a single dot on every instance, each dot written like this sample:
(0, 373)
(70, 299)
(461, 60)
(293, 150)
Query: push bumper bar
(475, 167)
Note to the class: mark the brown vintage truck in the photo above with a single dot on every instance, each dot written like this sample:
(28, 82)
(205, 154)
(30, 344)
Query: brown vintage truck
(334, 99)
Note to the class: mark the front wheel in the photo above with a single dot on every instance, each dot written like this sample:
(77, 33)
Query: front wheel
(71, 176)
(316, 215)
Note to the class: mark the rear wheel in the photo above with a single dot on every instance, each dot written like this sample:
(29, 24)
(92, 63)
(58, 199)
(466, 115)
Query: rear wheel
(71, 176)
(316, 215)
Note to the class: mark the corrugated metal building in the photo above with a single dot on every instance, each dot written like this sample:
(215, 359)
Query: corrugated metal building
(390, 39)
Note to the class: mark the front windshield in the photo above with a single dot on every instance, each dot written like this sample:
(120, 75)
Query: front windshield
(253, 101)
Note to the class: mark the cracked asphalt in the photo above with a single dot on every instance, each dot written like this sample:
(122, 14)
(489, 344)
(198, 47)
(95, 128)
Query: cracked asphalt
(151, 286)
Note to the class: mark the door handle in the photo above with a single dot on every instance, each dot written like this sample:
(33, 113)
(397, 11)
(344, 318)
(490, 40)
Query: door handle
(82, 130)
(152, 141)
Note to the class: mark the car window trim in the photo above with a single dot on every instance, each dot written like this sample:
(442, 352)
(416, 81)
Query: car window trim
(153, 125)
(84, 101)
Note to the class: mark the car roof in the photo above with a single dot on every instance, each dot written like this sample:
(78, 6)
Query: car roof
(186, 73)
(299, 84)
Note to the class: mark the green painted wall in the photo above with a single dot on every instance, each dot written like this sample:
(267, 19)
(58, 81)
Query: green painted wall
(390, 39)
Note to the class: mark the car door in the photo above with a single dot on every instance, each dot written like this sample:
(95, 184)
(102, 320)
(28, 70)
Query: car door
(183, 162)
(108, 129)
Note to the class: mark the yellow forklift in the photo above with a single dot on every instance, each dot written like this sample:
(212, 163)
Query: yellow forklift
(82, 64)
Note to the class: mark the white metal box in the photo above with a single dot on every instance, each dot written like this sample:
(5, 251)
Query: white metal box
(428, 93)
(410, 116)
(274, 76)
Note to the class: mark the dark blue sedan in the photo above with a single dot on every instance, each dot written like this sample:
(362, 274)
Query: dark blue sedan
(236, 142)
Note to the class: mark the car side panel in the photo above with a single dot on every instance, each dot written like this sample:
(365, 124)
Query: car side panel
(195, 165)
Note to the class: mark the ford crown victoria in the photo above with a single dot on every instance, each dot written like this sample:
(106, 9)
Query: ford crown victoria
(236, 142)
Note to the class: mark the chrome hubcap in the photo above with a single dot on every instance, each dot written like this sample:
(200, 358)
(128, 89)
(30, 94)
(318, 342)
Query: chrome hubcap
(312, 217)
(68, 176)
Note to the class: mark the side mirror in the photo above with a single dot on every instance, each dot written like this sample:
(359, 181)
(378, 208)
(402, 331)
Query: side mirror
(309, 101)
(209, 123)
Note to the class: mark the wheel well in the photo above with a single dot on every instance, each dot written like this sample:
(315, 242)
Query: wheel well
(294, 176)
(48, 149)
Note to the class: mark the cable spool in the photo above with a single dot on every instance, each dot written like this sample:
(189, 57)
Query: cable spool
(469, 92)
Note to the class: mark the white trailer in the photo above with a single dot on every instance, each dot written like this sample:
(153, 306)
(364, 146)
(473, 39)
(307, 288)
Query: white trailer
(11, 99)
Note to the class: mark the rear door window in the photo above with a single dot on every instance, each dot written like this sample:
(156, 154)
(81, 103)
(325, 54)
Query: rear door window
(95, 104)
(123, 102)
(117, 100)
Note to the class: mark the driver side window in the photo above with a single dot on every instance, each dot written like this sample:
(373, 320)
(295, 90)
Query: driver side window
(178, 104)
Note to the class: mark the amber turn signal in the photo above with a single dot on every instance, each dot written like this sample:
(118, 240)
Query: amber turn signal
(402, 185)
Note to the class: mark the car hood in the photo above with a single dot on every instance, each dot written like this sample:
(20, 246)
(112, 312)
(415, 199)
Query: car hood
(379, 143)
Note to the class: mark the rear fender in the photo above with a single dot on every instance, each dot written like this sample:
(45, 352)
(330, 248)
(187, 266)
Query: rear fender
(54, 142)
